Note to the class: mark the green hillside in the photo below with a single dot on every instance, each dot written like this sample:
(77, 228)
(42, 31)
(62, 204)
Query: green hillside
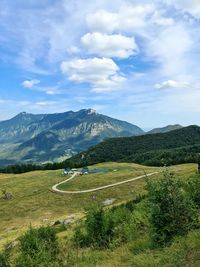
(174, 147)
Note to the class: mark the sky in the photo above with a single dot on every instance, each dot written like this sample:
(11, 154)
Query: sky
(134, 60)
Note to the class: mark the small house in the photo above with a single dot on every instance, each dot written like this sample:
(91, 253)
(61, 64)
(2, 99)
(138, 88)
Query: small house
(66, 171)
(85, 170)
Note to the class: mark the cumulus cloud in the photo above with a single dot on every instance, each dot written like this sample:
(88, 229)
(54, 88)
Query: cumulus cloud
(30, 83)
(89, 70)
(128, 18)
(101, 73)
(115, 45)
(172, 84)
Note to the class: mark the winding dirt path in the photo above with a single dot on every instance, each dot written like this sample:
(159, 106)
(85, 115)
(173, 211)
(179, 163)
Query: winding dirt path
(55, 189)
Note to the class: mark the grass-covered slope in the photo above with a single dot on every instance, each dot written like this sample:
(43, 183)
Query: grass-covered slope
(174, 147)
(34, 203)
(122, 235)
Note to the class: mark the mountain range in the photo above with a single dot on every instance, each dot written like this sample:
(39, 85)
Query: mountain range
(40, 138)
(53, 137)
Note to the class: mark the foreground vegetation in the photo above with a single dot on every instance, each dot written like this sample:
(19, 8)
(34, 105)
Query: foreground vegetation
(157, 226)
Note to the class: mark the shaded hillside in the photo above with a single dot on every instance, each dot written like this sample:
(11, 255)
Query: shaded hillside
(173, 147)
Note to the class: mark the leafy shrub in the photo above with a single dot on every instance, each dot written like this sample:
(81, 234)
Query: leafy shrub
(109, 228)
(172, 211)
(99, 227)
(193, 188)
(38, 248)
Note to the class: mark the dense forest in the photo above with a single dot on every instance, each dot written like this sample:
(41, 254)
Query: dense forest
(179, 146)
(175, 147)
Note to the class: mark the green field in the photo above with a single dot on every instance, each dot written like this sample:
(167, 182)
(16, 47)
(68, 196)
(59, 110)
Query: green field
(34, 203)
(117, 173)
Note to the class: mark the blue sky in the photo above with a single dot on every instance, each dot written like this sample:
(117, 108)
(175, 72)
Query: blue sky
(130, 59)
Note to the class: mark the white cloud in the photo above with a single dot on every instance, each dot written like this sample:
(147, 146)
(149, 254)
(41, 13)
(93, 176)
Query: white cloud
(115, 45)
(172, 84)
(73, 50)
(128, 18)
(30, 83)
(89, 70)
(101, 73)
(38, 44)
(103, 21)
(109, 84)
(49, 90)
(160, 19)
(167, 39)
(170, 48)
(191, 6)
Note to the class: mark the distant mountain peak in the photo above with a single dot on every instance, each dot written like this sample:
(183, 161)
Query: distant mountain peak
(165, 129)
(92, 111)
(25, 114)
(88, 111)
(21, 114)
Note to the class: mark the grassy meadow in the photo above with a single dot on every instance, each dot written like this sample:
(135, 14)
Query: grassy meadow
(116, 173)
(35, 204)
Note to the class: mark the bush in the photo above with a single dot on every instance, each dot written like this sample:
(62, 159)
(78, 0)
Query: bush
(99, 227)
(172, 211)
(38, 248)
(193, 188)
(109, 228)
